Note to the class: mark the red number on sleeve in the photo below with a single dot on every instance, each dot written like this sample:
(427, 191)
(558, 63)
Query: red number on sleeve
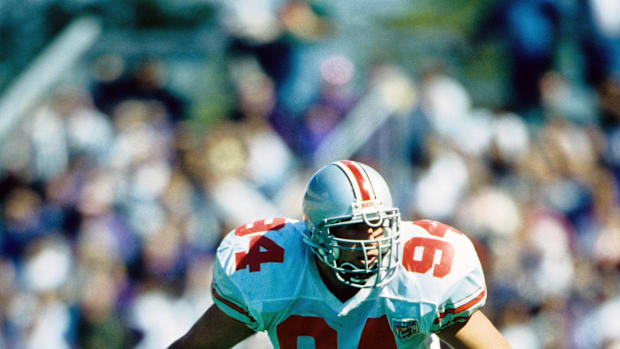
(260, 226)
(261, 248)
(435, 228)
(296, 326)
(429, 249)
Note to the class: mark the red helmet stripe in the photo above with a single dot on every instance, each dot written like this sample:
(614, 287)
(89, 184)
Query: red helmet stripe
(359, 179)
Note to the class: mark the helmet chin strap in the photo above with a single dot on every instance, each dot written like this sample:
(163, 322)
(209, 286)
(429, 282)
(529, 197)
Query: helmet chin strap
(335, 253)
(361, 279)
(357, 281)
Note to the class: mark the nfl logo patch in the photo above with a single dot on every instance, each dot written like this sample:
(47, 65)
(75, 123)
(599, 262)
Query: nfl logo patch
(405, 328)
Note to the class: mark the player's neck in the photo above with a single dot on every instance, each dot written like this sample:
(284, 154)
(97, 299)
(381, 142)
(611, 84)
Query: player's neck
(335, 286)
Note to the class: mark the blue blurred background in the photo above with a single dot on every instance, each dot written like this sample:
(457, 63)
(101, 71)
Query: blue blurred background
(135, 134)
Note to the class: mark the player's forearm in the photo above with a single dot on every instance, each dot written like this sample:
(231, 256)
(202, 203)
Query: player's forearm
(477, 333)
(490, 342)
(214, 330)
(193, 341)
(180, 343)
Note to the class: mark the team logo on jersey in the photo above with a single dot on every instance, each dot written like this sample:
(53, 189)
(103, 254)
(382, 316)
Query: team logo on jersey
(405, 328)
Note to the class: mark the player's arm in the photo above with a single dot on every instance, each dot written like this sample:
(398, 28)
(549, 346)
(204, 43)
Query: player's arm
(214, 330)
(476, 333)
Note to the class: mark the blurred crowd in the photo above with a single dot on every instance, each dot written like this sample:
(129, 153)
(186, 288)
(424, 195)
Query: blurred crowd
(113, 198)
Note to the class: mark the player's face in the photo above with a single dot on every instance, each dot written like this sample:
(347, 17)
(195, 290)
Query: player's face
(359, 231)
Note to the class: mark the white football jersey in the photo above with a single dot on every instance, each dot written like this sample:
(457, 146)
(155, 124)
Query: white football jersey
(266, 277)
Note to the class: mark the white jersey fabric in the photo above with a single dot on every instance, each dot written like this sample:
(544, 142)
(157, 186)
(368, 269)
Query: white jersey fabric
(266, 277)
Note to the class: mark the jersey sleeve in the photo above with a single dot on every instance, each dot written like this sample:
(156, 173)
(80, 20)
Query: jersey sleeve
(466, 291)
(227, 295)
(257, 271)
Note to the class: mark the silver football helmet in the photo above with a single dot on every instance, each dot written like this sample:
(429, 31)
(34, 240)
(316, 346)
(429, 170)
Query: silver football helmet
(346, 193)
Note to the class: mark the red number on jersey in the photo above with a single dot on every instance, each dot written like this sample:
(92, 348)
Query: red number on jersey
(376, 333)
(427, 260)
(296, 326)
(261, 248)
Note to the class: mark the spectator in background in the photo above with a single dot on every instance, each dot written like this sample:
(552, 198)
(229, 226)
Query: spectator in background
(146, 81)
(599, 26)
(531, 31)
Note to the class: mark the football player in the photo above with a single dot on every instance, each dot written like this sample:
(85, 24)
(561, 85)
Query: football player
(351, 274)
